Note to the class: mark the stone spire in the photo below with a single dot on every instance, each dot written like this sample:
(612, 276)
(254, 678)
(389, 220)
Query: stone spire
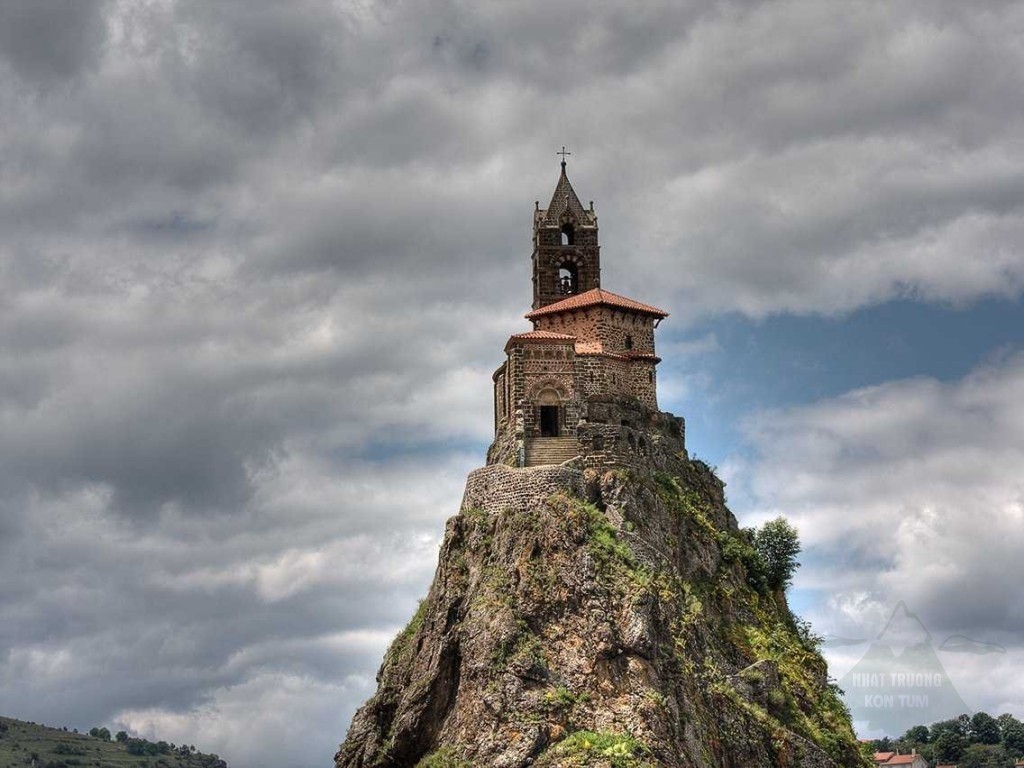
(565, 206)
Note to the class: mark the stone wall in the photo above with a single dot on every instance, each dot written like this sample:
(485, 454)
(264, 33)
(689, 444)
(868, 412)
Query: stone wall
(497, 488)
(502, 410)
(603, 329)
(582, 324)
(615, 326)
(612, 375)
(622, 432)
(604, 359)
(612, 431)
(542, 371)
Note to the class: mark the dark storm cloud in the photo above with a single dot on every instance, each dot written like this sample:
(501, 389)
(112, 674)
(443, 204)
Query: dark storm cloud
(51, 41)
(258, 260)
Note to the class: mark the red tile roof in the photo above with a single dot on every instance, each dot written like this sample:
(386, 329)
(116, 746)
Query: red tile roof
(900, 760)
(595, 297)
(881, 757)
(542, 335)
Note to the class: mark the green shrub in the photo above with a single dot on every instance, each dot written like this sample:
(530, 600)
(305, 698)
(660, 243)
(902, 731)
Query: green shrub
(562, 698)
(621, 750)
(443, 758)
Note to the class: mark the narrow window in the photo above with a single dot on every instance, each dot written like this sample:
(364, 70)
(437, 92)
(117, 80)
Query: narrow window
(568, 235)
(629, 341)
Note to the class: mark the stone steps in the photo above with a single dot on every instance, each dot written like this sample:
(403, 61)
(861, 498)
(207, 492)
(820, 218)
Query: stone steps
(550, 450)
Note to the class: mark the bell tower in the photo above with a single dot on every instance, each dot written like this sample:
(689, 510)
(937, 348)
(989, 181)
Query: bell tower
(566, 256)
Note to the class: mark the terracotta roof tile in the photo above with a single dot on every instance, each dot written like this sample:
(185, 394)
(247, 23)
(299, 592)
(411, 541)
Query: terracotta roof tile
(595, 297)
(542, 335)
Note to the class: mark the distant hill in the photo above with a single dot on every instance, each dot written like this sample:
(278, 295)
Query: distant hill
(27, 745)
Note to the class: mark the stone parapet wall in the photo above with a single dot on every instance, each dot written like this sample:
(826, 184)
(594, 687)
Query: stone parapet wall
(610, 375)
(611, 432)
(497, 488)
(623, 432)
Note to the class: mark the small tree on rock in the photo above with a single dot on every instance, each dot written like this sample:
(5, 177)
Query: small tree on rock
(778, 544)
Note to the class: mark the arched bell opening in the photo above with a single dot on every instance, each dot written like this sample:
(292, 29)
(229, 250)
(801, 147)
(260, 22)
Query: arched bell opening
(568, 278)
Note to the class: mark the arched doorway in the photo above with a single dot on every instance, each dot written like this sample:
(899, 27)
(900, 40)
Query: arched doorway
(549, 416)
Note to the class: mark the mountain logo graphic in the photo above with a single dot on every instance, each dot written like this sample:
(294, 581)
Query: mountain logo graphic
(900, 681)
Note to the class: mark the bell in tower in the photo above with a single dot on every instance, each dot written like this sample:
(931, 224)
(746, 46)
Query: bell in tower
(566, 256)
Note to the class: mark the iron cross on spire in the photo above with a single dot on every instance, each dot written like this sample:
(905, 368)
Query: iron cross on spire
(563, 153)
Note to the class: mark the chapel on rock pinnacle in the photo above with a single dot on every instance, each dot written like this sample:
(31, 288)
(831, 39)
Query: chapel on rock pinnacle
(563, 625)
(583, 383)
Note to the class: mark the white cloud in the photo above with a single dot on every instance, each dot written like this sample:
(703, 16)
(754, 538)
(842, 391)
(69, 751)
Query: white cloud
(291, 718)
(909, 491)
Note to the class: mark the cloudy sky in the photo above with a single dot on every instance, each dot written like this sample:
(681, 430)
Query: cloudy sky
(258, 260)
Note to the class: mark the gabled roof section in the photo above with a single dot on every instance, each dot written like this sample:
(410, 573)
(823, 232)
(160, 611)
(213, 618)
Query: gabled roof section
(542, 336)
(539, 337)
(597, 296)
(564, 201)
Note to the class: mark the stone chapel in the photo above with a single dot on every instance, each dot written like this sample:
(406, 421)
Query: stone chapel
(583, 383)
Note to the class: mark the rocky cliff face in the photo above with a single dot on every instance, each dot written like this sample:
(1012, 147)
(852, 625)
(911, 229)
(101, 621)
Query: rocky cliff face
(607, 618)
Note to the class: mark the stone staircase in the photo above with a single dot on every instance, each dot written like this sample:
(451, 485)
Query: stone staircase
(550, 450)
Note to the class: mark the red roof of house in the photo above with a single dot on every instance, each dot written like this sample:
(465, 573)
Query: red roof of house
(595, 297)
(882, 757)
(901, 760)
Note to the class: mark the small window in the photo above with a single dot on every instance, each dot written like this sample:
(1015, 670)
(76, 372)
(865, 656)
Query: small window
(568, 235)
(650, 377)
(629, 341)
